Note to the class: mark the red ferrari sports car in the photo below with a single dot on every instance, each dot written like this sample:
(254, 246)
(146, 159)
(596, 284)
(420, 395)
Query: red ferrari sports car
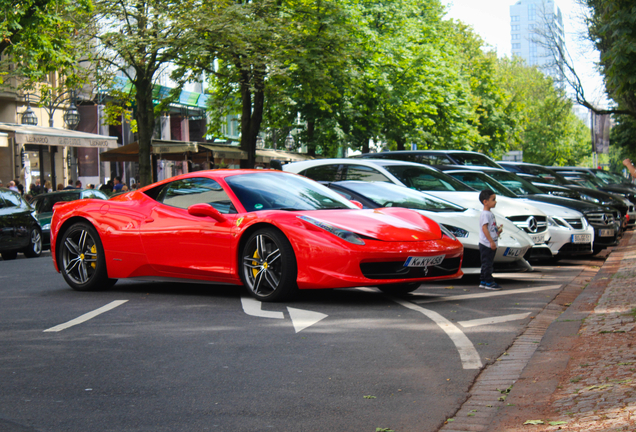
(272, 231)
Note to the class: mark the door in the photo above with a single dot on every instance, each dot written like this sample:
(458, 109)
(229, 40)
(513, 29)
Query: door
(179, 243)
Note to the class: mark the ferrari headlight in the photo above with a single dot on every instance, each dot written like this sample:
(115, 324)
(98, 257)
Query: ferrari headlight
(589, 198)
(348, 236)
(453, 231)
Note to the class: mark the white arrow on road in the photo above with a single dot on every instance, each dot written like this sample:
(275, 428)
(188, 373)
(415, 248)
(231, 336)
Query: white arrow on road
(301, 319)
(304, 318)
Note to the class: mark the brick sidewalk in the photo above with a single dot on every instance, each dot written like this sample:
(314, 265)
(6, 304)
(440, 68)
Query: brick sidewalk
(574, 365)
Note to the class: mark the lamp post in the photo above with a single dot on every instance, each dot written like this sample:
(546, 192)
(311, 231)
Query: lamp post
(71, 118)
(289, 141)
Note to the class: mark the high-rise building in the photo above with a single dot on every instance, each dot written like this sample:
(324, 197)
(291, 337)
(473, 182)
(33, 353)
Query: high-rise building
(537, 35)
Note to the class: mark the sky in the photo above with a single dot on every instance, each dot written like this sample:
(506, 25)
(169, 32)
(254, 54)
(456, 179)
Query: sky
(491, 19)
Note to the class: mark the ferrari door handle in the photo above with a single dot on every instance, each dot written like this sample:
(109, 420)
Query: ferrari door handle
(148, 220)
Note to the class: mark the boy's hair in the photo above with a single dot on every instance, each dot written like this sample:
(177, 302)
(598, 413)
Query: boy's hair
(485, 195)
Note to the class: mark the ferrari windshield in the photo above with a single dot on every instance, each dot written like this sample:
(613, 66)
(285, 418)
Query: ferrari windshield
(390, 195)
(271, 190)
(481, 181)
(518, 185)
(426, 179)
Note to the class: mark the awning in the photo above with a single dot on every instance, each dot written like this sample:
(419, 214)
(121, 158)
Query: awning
(225, 152)
(269, 154)
(126, 153)
(48, 136)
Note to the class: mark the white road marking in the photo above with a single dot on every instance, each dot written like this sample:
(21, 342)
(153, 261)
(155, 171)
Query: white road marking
(493, 320)
(467, 352)
(301, 319)
(252, 307)
(86, 316)
(485, 294)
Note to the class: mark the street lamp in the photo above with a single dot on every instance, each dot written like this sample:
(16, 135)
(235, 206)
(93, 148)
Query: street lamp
(289, 141)
(29, 117)
(72, 116)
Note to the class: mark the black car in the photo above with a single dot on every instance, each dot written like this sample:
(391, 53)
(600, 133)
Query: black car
(605, 220)
(592, 190)
(607, 182)
(19, 228)
(437, 158)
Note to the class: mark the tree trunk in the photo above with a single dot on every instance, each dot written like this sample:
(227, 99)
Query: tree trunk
(145, 127)
(251, 115)
(365, 146)
(400, 143)
(311, 144)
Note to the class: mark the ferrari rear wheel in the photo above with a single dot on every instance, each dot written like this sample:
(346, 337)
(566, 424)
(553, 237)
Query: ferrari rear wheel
(81, 259)
(268, 266)
(399, 289)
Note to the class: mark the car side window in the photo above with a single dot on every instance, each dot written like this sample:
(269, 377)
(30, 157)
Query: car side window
(440, 160)
(324, 173)
(187, 192)
(2, 203)
(365, 173)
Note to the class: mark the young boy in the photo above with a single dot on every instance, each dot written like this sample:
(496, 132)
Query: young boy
(488, 236)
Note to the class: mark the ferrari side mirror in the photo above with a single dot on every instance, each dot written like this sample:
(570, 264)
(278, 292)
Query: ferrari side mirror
(357, 203)
(206, 210)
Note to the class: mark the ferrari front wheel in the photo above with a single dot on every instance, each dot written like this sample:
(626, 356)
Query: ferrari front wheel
(268, 266)
(81, 259)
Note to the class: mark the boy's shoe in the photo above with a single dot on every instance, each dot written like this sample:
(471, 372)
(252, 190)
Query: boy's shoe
(492, 286)
(482, 284)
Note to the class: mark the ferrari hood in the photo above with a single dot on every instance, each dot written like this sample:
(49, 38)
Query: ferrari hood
(386, 224)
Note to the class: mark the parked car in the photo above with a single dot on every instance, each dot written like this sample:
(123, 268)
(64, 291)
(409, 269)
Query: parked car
(427, 179)
(19, 228)
(44, 203)
(606, 179)
(272, 231)
(570, 233)
(605, 220)
(436, 158)
(548, 181)
(462, 222)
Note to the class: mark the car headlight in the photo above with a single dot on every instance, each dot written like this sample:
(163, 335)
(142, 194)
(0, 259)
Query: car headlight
(345, 235)
(589, 198)
(453, 231)
(46, 227)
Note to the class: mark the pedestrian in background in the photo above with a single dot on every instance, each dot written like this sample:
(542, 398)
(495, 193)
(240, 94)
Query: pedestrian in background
(488, 236)
(12, 186)
(60, 186)
(48, 187)
(118, 185)
(630, 167)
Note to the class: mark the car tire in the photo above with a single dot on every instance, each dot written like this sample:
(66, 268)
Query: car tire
(34, 249)
(268, 266)
(81, 259)
(7, 256)
(399, 289)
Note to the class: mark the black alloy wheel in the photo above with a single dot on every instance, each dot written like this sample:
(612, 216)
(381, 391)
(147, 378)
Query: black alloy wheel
(81, 259)
(268, 266)
(34, 249)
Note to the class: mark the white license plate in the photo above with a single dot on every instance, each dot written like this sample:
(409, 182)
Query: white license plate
(581, 238)
(606, 233)
(512, 252)
(538, 238)
(424, 261)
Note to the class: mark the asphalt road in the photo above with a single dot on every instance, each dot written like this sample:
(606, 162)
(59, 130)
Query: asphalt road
(184, 357)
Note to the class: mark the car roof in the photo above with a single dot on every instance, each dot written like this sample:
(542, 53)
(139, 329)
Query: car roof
(345, 161)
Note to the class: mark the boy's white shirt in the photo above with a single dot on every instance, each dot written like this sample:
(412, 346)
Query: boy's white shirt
(488, 218)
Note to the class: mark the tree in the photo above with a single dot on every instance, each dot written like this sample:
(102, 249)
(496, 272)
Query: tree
(137, 39)
(41, 36)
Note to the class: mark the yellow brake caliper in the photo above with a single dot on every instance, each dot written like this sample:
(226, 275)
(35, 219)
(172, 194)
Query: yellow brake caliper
(94, 252)
(254, 263)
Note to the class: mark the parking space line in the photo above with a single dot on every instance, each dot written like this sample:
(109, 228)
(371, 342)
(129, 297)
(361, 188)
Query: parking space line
(86, 316)
(493, 320)
(485, 294)
(467, 352)
(252, 307)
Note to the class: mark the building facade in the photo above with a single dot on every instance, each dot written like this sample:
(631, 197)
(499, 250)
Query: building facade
(537, 35)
